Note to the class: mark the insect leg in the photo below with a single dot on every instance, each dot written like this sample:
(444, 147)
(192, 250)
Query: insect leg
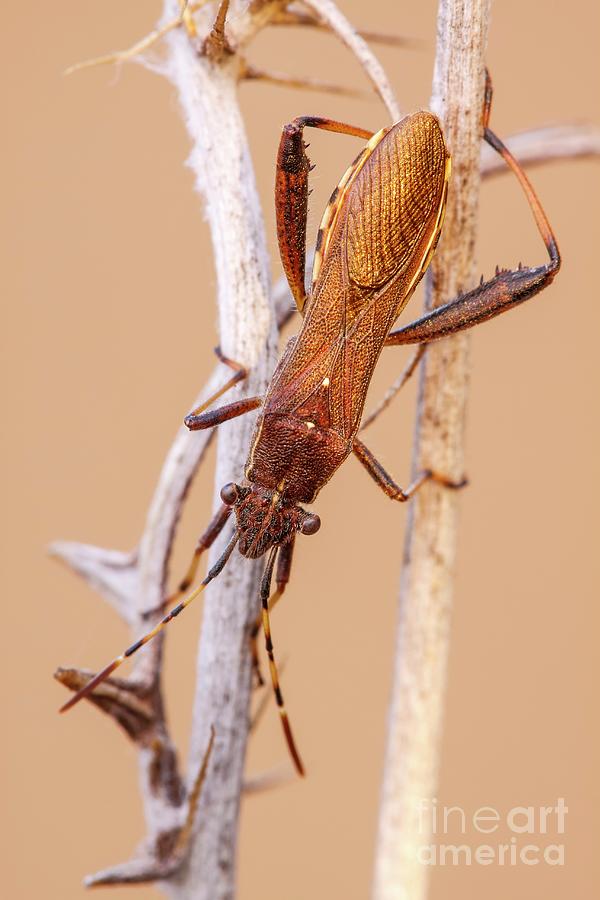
(282, 576)
(291, 196)
(240, 373)
(110, 668)
(264, 599)
(507, 289)
(216, 416)
(387, 483)
(205, 541)
(395, 388)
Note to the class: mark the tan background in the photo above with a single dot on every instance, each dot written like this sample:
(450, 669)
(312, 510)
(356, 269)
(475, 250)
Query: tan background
(109, 294)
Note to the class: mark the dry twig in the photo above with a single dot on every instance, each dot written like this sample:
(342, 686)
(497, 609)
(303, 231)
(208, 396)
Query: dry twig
(415, 719)
(135, 583)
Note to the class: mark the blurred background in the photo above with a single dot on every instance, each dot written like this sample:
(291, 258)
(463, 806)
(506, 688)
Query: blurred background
(107, 268)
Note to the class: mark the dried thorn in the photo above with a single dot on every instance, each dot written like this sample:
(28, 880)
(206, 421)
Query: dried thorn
(393, 40)
(250, 73)
(141, 870)
(497, 270)
(182, 844)
(170, 846)
(481, 280)
(185, 18)
(216, 45)
(111, 572)
(332, 17)
(290, 17)
(123, 55)
(125, 701)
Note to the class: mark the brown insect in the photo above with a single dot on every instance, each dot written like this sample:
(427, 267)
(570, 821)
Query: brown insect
(376, 239)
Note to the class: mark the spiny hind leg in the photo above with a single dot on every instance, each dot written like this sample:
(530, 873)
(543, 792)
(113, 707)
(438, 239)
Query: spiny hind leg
(506, 290)
(291, 195)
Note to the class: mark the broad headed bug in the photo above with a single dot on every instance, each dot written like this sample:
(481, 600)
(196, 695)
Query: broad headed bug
(376, 239)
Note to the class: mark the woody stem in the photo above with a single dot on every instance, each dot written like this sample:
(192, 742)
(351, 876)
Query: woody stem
(427, 584)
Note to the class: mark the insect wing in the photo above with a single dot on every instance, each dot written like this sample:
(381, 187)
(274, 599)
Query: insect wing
(394, 209)
(376, 239)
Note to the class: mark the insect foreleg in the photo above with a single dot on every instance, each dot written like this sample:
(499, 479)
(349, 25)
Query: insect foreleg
(205, 541)
(264, 599)
(282, 576)
(387, 483)
(507, 289)
(241, 372)
(216, 416)
(291, 196)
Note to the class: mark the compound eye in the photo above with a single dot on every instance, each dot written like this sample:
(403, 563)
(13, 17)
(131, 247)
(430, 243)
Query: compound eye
(230, 493)
(311, 524)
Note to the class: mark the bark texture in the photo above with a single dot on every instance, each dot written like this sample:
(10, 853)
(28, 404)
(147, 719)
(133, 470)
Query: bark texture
(416, 711)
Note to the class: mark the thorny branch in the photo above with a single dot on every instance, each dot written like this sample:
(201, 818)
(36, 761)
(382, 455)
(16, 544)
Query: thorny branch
(423, 633)
(205, 71)
(190, 851)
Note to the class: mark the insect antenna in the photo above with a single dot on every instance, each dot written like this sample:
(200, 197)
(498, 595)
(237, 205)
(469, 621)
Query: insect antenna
(265, 601)
(110, 668)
